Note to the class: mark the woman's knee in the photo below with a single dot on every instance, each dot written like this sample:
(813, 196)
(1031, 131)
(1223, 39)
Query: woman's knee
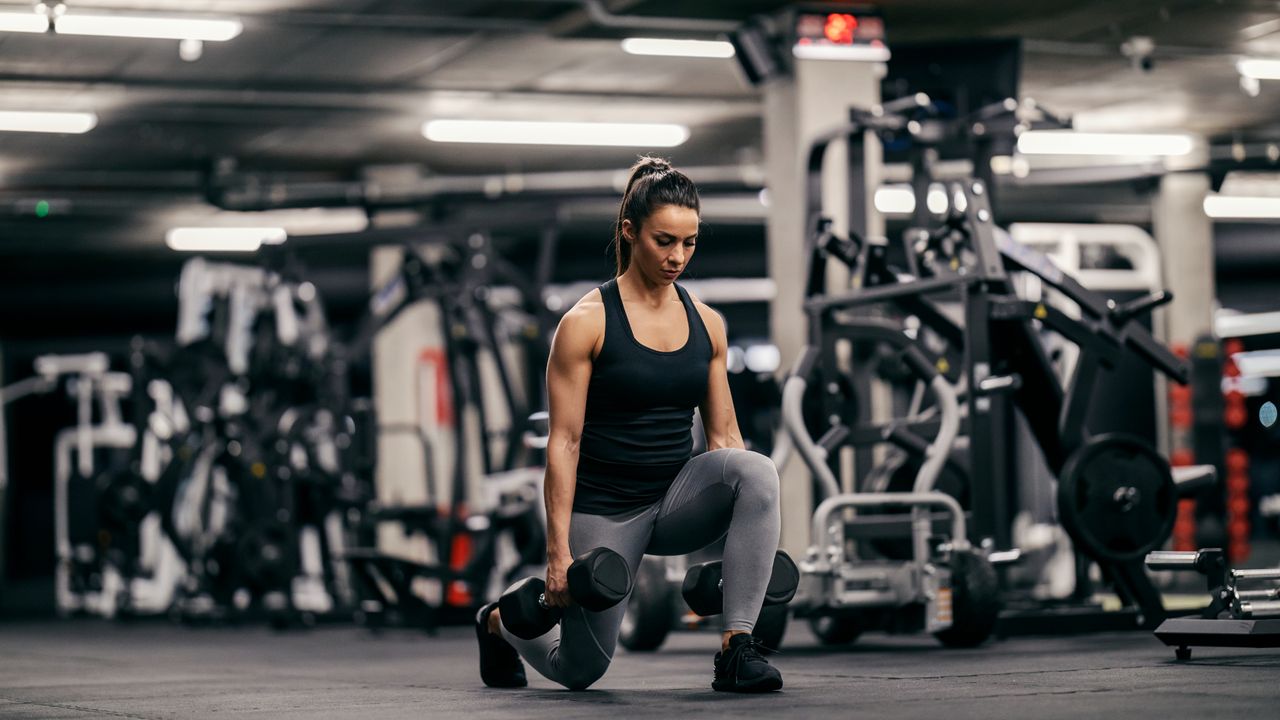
(755, 475)
(584, 675)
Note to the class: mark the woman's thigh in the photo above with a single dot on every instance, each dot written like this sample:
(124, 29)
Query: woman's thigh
(697, 508)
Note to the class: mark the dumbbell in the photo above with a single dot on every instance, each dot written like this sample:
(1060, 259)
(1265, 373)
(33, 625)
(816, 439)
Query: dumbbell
(598, 580)
(703, 587)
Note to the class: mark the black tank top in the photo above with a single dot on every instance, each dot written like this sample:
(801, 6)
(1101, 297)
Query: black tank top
(637, 430)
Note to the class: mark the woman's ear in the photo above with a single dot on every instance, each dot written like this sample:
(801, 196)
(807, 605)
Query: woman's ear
(628, 231)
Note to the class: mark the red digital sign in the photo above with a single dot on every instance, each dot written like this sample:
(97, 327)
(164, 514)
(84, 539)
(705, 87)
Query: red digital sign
(833, 33)
(839, 28)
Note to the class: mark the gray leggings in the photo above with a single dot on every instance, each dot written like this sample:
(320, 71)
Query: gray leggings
(726, 490)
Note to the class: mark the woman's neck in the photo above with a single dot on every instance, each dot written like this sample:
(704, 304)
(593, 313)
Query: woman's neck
(652, 294)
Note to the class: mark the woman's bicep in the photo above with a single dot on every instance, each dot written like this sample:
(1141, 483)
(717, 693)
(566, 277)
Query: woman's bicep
(568, 376)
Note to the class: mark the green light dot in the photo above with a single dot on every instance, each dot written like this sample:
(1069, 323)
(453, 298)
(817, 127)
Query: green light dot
(42, 208)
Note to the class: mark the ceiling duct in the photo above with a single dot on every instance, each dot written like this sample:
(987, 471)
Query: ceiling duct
(252, 194)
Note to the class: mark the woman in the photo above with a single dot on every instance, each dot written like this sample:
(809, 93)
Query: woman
(629, 363)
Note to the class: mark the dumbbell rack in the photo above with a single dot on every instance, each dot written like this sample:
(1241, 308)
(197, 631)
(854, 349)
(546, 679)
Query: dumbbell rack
(1234, 617)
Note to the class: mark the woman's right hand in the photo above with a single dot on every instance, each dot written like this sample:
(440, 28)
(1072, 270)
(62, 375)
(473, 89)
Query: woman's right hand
(558, 578)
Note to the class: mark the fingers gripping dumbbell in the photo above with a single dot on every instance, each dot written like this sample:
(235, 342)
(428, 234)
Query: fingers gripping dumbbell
(703, 587)
(598, 580)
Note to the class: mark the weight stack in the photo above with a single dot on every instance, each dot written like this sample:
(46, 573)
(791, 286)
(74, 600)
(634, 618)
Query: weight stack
(1235, 416)
(1181, 419)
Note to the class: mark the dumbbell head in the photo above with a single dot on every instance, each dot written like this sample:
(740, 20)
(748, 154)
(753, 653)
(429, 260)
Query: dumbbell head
(600, 579)
(784, 580)
(702, 588)
(521, 610)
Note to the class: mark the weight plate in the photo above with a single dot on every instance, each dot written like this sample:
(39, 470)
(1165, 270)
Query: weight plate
(1116, 498)
(124, 499)
(265, 557)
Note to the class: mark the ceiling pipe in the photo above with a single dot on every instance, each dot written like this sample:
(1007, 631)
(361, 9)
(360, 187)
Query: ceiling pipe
(350, 97)
(249, 194)
(401, 22)
(600, 15)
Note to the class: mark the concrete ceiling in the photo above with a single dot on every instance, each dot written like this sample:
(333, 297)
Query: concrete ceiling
(327, 89)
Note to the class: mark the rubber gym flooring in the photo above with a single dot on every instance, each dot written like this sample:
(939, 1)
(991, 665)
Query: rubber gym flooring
(91, 669)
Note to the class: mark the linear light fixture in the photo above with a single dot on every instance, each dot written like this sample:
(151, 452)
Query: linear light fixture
(895, 200)
(73, 123)
(1259, 68)
(1258, 363)
(901, 200)
(31, 22)
(555, 133)
(1070, 142)
(678, 48)
(223, 239)
(148, 26)
(1234, 207)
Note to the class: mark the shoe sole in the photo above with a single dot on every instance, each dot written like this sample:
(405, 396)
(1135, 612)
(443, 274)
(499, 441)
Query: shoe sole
(763, 685)
(482, 632)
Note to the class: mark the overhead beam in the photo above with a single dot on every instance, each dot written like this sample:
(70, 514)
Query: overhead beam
(366, 96)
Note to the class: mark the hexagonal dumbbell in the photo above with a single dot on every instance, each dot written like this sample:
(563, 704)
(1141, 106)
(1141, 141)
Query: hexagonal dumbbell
(703, 587)
(598, 580)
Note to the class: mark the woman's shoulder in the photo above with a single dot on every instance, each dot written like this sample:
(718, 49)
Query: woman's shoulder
(586, 317)
(709, 315)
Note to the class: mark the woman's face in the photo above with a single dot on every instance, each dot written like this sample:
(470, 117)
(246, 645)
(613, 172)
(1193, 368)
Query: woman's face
(663, 244)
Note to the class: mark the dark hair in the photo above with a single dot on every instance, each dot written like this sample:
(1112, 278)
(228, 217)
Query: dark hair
(653, 183)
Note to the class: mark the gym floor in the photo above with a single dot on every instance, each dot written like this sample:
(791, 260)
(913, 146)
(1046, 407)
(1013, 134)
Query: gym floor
(89, 669)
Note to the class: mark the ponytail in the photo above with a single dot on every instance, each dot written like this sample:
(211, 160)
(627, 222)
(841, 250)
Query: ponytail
(652, 184)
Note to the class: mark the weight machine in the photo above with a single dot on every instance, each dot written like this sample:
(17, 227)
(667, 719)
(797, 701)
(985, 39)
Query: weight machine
(466, 535)
(1117, 497)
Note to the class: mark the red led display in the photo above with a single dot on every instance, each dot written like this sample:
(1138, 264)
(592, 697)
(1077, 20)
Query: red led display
(839, 28)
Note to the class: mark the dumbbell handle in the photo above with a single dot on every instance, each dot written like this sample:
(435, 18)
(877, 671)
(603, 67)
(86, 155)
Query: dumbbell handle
(1172, 560)
(1260, 608)
(1256, 574)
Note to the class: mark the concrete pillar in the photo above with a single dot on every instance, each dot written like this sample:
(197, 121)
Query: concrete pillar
(816, 98)
(1185, 236)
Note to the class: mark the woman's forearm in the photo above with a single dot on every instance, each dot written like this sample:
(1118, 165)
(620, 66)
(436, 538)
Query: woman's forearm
(558, 488)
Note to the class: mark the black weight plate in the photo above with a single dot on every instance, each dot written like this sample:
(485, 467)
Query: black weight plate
(1116, 498)
(265, 557)
(124, 499)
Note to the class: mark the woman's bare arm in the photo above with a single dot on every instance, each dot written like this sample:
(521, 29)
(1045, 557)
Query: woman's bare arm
(568, 376)
(718, 416)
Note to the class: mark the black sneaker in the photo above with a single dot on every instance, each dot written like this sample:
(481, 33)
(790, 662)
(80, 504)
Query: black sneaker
(742, 668)
(500, 664)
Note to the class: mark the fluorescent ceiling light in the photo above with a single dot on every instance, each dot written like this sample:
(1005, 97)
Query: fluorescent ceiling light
(1069, 142)
(50, 122)
(556, 133)
(148, 26)
(1010, 165)
(31, 22)
(895, 200)
(859, 53)
(295, 223)
(1242, 208)
(901, 200)
(1243, 325)
(762, 358)
(1259, 69)
(229, 239)
(1258, 363)
(678, 48)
